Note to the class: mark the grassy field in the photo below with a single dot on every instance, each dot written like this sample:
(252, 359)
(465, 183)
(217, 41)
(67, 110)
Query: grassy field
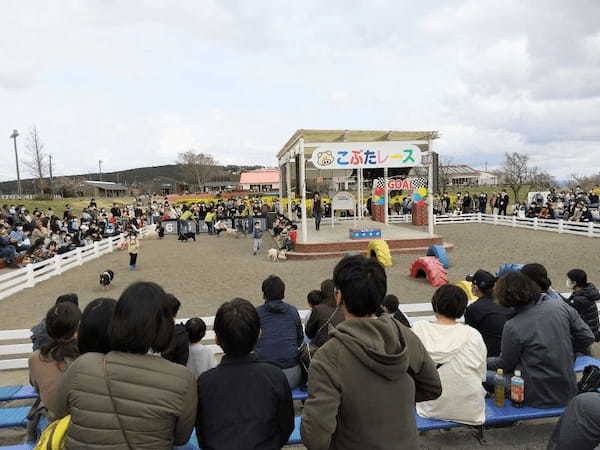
(77, 203)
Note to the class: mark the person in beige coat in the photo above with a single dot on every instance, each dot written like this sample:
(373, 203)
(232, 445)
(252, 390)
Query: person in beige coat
(363, 383)
(131, 397)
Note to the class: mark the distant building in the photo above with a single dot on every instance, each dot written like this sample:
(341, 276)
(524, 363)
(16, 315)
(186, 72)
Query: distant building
(262, 180)
(467, 176)
(219, 186)
(104, 189)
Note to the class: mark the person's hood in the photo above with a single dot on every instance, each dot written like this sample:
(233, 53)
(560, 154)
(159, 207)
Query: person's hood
(590, 292)
(275, 306)
(443, 342)
(377, 343)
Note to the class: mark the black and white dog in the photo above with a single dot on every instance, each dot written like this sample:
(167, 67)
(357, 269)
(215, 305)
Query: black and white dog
(106, 278)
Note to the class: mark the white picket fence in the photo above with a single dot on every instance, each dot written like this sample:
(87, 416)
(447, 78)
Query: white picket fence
(558, 226)
(30, 275)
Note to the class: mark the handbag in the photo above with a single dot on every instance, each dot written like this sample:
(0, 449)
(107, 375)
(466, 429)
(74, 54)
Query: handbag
(53, 437)
(590, 380)
(112, 400)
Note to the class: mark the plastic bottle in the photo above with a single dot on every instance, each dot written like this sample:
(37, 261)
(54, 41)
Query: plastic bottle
(517, 390)
(499, 387)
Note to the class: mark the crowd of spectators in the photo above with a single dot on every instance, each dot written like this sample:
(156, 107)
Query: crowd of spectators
(131, 378)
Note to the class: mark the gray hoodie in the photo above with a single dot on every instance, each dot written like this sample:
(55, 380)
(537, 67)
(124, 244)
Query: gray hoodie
(363, 384)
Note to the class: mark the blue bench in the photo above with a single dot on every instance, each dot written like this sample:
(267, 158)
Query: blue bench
(582, 361)
(14, 417)
(9, 393)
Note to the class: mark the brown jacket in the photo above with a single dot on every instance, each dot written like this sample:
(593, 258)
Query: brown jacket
(45, 375)
(363, 385)
(156, 401)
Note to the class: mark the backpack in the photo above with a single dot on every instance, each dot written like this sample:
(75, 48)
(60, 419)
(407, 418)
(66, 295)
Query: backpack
(53, 437)
(590, 381)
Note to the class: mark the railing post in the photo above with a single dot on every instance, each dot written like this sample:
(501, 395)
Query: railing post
(514, 221)
(96, 251)
(561, 226)
(535, 223)
(57, 266)
(479, 217)
(591, 229)
(30, 278)
(495, 219)
(79, 256)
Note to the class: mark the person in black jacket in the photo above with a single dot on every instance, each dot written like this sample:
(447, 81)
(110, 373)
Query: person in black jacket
(391, 305)
(484, 314)
(583, 299)
(178, 350)
(324, 315)
(244, 403)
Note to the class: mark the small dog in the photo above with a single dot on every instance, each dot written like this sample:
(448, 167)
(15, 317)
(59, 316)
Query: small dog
(231, 232)
(106, 278)
(276, 255)
(184, 237)
(151, 235)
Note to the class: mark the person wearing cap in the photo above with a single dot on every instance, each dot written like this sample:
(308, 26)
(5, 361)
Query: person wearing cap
(484, 314)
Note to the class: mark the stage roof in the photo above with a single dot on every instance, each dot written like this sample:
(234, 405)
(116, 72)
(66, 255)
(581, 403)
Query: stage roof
(314, 136)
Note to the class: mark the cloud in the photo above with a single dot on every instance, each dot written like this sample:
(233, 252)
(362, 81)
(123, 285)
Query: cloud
(135, 83)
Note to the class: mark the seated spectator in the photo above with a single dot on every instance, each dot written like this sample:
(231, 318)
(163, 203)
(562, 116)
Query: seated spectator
(314, 298)
(95, 322)
(244, 403)
(281, 331)
(538, 274)
(579, 426)
(178, 350)
(48, 365)
(540, 341)
(484, 314)
(371, 370)
(130, 397)
(391, 305)
(459, 353)
(584, 298)
(201, 358)
(323, 316)
(7, 250)
(39, 334)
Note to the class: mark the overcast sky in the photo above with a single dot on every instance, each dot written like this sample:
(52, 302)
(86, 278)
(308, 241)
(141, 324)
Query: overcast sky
(136, 82)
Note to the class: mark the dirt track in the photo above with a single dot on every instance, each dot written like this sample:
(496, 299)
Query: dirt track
(212, 270)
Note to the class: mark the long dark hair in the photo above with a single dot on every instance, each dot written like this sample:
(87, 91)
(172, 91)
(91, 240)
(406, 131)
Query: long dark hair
(62, 321)
(94, 326)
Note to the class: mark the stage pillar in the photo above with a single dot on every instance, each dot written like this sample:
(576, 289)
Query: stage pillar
(419, 214)
(378, 213)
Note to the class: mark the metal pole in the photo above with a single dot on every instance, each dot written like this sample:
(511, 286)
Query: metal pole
(288, 182)
(303, 190)
(14, 136)
(51, 179)
(386, 193)
(100, 169)
(430, 192)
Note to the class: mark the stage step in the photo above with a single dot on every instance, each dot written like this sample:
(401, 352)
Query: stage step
(339, 254)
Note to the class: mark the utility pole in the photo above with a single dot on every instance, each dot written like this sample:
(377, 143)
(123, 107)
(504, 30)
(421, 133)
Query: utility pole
(14, 136)
(100, 169)
(51, 179)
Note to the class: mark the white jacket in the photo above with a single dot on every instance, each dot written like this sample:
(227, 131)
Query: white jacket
(460, 353)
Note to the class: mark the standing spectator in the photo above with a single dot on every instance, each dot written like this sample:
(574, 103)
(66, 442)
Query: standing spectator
(39, 333)
(281, 331)
(256, 238)
(201, 358)
(459, 353)
(467, 203)
(317, 210)
(540, 340)
(48, 365)
(95, 323)
(484, 314)
(243, 403)
(370, 370)
(131, 397)
(502, 203)
(483, 199)
(584, 298)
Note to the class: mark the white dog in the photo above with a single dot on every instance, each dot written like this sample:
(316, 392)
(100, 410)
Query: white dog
(231, 232)
(276, 255)
(150, 235)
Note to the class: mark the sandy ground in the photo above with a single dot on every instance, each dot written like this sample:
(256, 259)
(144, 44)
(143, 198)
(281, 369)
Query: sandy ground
(212, 270)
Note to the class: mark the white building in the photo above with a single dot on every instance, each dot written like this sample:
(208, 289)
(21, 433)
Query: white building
(467, 176)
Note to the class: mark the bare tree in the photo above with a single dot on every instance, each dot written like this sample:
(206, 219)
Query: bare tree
(542, 180)
(197, 167)
(37, 160)
(516, 172)
(444, 174)
(585, 182)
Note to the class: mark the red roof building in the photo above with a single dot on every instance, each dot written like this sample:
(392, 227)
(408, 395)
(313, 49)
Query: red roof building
(260, 180)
